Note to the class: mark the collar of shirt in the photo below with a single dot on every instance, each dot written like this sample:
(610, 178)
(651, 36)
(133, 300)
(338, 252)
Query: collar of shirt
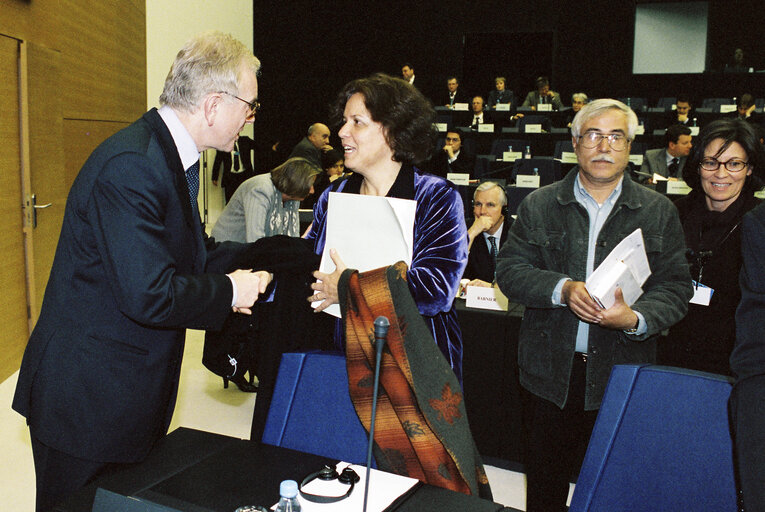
(187, 148)
(456, 155)
(583, 197)
(670, 158)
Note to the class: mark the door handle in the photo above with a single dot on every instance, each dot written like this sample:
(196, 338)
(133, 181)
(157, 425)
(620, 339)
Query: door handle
(36, 207)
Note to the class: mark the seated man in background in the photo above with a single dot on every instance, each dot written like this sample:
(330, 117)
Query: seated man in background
(500, 94)
(542, 95)
(683, 113)
(578, 100)
(313, 144)
(453, 157)
(669, 160)
(745, 109)
(477, 112)
(453, 93)
(487, 233)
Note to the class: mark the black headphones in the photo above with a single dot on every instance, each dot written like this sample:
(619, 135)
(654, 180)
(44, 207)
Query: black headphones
(348, 477)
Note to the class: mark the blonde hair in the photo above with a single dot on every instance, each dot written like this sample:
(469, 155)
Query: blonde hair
(210, 62)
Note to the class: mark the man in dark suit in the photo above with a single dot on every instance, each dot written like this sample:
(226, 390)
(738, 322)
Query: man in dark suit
(669, 160)
(542, 94)
(683, 113)
(313, 144)
(487, 234)
(235, 167)
(453, 94)
(133, 269)
(454, 157)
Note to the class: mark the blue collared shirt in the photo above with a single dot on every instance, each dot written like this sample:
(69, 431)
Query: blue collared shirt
(597, 214)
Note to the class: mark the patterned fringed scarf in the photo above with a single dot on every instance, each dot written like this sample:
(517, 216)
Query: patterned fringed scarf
(421, 429)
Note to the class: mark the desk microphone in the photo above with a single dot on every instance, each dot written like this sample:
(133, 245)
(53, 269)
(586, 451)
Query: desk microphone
(381, 333)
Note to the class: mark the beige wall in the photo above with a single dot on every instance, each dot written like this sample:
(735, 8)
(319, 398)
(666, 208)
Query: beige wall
(169, 24)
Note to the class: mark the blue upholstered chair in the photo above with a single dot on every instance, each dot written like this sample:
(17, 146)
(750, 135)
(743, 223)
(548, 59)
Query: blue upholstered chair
(311, 410)
(661, 442)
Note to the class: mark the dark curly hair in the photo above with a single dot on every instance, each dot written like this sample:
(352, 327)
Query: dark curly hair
(406, 115)
(729, 130)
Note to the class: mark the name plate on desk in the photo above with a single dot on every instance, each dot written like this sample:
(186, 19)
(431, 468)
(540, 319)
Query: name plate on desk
(533, 128)
(567, 157)
(694, 130)
(503, 107)
(486, 127)
(485, 298)
(511, 156)
(636, 159)
(640, 130)
(460, 107)
(441, 127)
(724, 109)
(544, 107)
(677, 188)
(458, 178)
(527, 181)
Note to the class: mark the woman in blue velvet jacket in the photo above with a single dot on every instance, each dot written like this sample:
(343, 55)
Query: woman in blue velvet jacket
(387, 127)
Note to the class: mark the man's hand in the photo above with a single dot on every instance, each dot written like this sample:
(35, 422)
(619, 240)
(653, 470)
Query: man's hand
(215, 182)
(326, 147)
(619, 316)
(682, 117)
(249, 285)
(575, 295)
(449, 151)
(480, 224)
(478, 282)
(326, 284)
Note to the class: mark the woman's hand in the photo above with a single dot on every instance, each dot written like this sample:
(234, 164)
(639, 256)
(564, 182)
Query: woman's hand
(326, 284)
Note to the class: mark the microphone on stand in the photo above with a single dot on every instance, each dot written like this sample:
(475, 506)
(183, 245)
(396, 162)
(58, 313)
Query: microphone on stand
(381, 332)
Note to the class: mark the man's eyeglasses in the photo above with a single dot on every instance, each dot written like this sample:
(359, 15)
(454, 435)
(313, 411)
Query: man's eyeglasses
(732, 165)
(617, 141)
(254, 105)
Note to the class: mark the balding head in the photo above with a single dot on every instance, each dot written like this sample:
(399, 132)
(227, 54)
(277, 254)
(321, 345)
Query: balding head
(318, 134)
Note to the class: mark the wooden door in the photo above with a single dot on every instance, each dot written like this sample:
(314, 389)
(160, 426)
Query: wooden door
(13, 299)
(44, 178)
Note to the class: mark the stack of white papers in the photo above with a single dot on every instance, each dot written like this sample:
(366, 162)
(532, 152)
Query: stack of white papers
(368, 232)
(626, 268)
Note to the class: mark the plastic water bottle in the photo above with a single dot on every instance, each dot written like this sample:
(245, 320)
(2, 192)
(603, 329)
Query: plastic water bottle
(288, 490)
(527, 154)
(536, 171)
(694, 122)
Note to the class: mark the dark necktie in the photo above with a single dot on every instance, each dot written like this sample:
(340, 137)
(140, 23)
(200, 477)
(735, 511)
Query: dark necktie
(493, 242)
(236, 157)
(192, 180)
(673, 167)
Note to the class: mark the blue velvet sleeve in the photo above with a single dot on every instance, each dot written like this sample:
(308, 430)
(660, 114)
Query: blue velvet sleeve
(440, 245)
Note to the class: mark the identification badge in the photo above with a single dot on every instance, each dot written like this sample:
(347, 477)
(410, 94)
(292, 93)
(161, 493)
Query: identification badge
(702, 294)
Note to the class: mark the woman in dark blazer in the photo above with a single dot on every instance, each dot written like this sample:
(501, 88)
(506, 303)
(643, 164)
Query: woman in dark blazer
(722, 173)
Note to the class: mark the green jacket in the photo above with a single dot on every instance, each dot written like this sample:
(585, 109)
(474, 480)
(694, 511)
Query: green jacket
(548, 242)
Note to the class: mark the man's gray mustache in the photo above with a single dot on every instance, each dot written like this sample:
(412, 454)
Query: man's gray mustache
(603, 158)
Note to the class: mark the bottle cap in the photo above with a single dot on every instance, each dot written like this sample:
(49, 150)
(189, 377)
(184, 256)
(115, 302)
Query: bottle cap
(288, 489)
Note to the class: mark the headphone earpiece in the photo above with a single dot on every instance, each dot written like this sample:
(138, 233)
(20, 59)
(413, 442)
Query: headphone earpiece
(348, 477)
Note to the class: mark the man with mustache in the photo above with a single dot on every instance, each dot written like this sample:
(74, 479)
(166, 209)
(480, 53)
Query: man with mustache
(568, 343)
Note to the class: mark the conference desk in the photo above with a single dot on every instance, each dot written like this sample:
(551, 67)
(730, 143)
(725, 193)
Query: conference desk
(490, 379)
(196, 471)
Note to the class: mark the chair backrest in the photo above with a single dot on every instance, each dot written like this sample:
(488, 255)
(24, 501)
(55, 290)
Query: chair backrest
(562, 146)
(499, 146)
(660, 442)
(666, 102)
(636, 104)
(311, 410)
(514, 197)
(535, 119)
(714, 103)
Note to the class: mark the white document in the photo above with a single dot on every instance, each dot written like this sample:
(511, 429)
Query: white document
(533, 128)
(724, 109)
(384, 489)
(678, 188)
(658, 177)
(460, 107)
(368, 232)
(544, 107)
(626, 268)
(568, 157)
(486, 128)
(485, 298)
(441, 127)
(511, 156)
(503, 107)
(636, 159)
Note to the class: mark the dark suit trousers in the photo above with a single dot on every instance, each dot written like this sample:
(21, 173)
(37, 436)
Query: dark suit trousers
(556, 440)
(58, 474)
